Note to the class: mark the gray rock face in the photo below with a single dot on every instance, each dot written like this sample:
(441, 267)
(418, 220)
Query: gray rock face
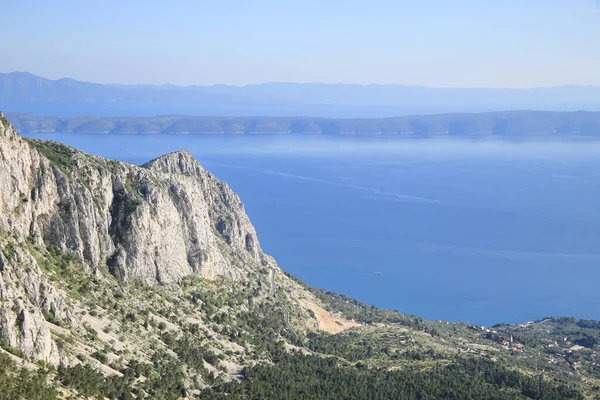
(156, 223)
(25, 295)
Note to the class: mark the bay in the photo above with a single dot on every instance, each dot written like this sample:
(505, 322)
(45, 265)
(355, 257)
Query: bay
(476, 230)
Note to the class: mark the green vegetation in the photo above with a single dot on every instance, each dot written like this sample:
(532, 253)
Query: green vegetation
(391, 356)
(563, 346)
(11, 350)
(8, 251)
(190, 350)
(64, 269)
(356, 346)
(165, 379)
(183, 357)
(4, 121)
(90, 383)
(58, 154)
(20, 383)
(358, 311)
(295, 376)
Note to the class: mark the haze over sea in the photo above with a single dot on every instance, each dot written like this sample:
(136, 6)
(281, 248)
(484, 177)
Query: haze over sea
(481, 230)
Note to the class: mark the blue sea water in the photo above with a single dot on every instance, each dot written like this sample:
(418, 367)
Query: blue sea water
(462, 230)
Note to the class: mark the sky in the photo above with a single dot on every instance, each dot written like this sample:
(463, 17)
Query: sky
(441, 43)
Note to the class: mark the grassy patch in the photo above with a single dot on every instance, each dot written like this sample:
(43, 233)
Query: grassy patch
(58, 154)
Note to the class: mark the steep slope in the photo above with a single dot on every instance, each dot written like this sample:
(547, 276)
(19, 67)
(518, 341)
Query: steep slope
(69, 219)
(157, 223)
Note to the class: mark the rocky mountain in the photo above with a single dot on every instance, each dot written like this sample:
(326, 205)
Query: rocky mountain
(512, 123)
(123, 281)
(157, 223)
(154, 225)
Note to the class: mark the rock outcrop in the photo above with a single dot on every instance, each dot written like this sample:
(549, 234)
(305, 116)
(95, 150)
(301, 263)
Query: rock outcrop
(156, 224)
(24, 297)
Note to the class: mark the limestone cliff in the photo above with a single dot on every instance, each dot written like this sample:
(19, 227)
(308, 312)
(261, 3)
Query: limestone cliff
(156, 223)
(72, 223)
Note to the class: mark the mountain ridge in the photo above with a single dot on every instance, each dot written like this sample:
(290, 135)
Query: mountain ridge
(27, 93)
(508, 123)
(29, 75)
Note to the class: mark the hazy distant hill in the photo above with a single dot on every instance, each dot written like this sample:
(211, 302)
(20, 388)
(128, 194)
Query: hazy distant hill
(499, 123)
(30, 94)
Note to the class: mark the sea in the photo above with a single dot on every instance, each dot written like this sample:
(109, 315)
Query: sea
(477, 230)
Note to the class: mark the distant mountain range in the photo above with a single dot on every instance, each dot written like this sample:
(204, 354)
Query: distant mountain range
(30, 94)
(510, 123)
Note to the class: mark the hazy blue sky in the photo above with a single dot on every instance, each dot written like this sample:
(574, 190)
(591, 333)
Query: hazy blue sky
(458, 43)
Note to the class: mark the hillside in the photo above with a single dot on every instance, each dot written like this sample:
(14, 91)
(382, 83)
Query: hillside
(124, 281)
(510, 124)
(31, 94)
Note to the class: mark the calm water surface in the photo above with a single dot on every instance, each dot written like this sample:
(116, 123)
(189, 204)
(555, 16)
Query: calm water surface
(480, 231)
